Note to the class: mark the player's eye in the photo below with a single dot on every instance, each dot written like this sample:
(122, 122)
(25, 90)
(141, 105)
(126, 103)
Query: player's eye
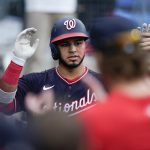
(79, 42)
(64, 44)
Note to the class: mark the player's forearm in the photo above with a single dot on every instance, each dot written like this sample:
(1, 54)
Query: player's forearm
(22, 51)
(9, 80)
(9, 83)
(7, 87)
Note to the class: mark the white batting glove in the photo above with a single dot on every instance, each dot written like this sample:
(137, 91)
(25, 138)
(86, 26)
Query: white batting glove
(23, 49)
(145, 34)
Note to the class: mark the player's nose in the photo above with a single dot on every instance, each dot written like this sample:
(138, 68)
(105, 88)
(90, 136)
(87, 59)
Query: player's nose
(73, 48)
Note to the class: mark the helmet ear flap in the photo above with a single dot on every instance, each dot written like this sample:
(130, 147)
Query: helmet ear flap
(54, 51)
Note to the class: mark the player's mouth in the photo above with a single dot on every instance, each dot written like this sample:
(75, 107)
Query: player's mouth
(73, 58)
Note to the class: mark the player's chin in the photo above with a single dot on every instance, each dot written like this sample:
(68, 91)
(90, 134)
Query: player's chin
(72, 66)
(73, 63)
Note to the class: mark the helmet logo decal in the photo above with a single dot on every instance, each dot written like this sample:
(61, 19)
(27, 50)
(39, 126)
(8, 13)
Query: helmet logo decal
(70, 24)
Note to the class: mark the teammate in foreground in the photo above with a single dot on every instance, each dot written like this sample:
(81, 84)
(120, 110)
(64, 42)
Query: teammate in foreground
(68, 44)
(122, 121)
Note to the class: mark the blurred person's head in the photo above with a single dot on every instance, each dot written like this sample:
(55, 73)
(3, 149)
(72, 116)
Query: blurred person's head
(67, 42)
(55, 131)
(116, 43)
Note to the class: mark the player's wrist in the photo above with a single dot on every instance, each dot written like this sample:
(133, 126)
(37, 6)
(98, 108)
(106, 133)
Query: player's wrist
(17, 60)
(12, 73)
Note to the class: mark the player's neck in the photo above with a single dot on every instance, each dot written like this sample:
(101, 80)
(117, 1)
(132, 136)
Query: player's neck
(71, 73)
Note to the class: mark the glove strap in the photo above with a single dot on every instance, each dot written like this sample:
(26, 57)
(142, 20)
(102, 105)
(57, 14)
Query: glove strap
(17, 60)
(12, 73)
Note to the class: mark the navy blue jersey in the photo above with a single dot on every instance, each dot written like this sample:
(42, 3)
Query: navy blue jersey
(69, 96)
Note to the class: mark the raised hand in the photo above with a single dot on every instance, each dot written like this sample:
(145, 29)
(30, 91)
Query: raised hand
(145, 34)
(40, 104)
(23, 48)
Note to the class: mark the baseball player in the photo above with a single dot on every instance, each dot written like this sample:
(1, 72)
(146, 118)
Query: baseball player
(67, 44)
(122, 121)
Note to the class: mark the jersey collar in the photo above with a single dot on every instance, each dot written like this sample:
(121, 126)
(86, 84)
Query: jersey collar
(68, 81)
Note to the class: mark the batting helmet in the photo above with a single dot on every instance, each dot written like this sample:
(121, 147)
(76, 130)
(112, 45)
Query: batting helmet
(66, 28)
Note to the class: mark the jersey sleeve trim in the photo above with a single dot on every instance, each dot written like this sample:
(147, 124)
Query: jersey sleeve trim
(7, 97)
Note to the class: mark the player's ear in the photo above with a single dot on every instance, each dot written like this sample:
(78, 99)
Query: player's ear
(54, 51)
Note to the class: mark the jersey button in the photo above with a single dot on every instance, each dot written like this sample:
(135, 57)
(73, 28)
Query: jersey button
(69, 87)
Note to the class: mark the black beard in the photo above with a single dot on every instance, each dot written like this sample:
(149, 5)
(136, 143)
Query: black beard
(70, 66)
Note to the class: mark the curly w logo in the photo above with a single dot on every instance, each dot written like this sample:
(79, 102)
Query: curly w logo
(70, 24)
